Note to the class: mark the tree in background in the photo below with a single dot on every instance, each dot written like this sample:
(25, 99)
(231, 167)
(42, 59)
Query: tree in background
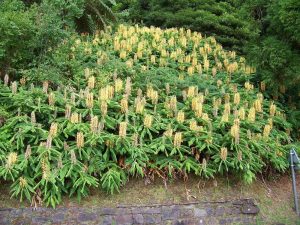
(276, 51)
(29, 29)
(221, 19)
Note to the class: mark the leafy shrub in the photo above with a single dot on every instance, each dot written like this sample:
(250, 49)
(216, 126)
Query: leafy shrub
(30, 31)
(16, 34)
(143, 102)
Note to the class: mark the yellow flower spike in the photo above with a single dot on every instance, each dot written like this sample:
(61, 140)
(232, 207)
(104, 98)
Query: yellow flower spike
(53, 129)
(270, 121)
(23, 81)
(169, 131)
(206, 65)
(51, 99)
(173, 103)
(148, 121)
(181, 76)
(195, 103)
(191, 91)
(242, 113)
(68, 112)
(248, 86)
(226, 63)
(32, 117)
(180, 117)
(135, 140)
(214, 71)
(223, 153)
(240, 156)
(73, 98)
(272, 109)
(167, 88)
(123, 129)
(139, 93)
(205, 117)
(139, 105)
(183, 42)
(173, 55)
(191, 70)
(45, 169)
(123, 54)
(251, 115)
(177, 139)
(89, 100)
(129, 63)
(219, 83)
(118, 85)
(227, 108)
(226, 98)
(74, 118)
(94, 124)
(193, 125)
(184, 95)
(225, 117)
(163, 53)
(219, 65)
(149, 91)
(235, 131)
(162, 62)
(206, 92)
(22, 182)
(110, 91)
(11, 160)
(79, 140)
(153, 59)
(124, 105)
(267, 130)
(154, 97)
(236, 99)
(194, 62)
(73, 157)
(87, 73)
(249, 134)
(262, 86)
(28, 152)
(6, 79)
(128, 87)
(117, 45)
(204, 164)
(257, 105)
(199, 110)
(260, 97)
(103, 108)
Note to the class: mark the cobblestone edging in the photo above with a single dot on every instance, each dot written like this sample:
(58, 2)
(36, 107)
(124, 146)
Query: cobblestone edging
(214, 213)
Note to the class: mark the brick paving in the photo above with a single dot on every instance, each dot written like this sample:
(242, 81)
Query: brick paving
(214, 213)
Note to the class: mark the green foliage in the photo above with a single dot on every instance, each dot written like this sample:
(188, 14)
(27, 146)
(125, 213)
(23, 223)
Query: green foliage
(17, 31)
(30, 31)
(65, 139)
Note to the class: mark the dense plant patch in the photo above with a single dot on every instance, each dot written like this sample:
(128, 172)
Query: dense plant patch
(140, 102)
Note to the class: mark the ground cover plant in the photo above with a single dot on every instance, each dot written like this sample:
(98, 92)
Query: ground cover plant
(140, 102)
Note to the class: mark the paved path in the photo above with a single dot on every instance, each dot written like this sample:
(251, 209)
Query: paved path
(214, 213)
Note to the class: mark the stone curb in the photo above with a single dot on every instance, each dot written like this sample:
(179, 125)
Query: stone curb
(242, 211)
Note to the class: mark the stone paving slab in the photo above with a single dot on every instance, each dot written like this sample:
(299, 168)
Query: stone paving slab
(198, 213)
